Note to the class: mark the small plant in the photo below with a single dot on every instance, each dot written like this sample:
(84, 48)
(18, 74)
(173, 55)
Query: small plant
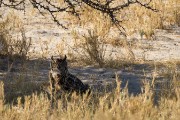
(3, 39)
(93, 48)
(19, 48)
(1, 96)
(10, 46)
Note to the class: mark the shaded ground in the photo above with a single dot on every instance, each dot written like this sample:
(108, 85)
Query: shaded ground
(26, 77)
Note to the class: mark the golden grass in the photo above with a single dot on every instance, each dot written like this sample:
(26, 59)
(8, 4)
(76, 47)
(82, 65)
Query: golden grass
(117, 104)
(145, 21)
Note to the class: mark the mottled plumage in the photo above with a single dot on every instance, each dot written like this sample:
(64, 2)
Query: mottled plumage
(62, 80)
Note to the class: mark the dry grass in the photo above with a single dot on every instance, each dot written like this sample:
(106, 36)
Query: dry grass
(145, 21)
(115, 105)
(92, 47)
(135, 19)
(13, 41)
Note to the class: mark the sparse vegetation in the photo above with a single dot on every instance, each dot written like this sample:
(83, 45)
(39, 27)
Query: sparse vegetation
(13, 45)
(145, 21)
(24, 88)
(93, 48)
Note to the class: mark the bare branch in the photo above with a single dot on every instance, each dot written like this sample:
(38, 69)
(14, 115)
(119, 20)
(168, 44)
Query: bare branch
(72, 6)
(17, 6)
(57, 21)
(147, 5)
(46, 7)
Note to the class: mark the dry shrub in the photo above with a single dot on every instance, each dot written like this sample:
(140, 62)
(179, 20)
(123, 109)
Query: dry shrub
(1, 96)
(145, 21)
(92, 41)
(3, 37)
(93, 49)
(98, 33)
(135, 19)
(13, 40)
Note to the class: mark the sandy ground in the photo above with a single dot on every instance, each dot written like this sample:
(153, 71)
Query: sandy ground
(165, 45)
(49, 39)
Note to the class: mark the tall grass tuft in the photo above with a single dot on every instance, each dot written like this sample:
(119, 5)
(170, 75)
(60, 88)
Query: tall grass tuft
(1, 96)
